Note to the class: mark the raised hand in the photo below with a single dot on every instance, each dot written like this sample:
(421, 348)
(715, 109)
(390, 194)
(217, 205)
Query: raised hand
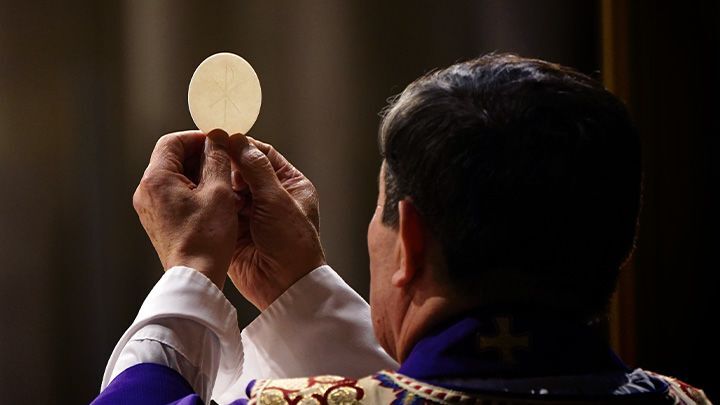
(188, 209)
(278, 238)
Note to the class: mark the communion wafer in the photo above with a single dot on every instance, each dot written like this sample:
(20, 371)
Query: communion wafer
(224, 93)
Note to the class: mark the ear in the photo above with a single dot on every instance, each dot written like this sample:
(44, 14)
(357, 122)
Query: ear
(411, 235)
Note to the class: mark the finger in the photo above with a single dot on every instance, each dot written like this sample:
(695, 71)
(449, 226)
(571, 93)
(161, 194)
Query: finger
(254, 166)
(172, 150)
(216, 167)
(277, 160)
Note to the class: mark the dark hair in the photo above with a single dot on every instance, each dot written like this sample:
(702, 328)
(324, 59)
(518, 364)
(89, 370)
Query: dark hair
(526, 172)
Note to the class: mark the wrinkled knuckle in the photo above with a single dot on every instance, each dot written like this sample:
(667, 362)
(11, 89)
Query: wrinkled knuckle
(138, 199)
(312, 189)
(166, 138)
(164, 141)
(150, 183)
(309, 188)
(253, 157)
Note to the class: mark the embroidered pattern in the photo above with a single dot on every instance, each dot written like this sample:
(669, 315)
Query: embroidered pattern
(385, 387)
(391, 388)
(409, 391)
(322, 390)
(681, 392)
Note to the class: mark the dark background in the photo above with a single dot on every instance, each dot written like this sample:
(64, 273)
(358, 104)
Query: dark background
(86, 88)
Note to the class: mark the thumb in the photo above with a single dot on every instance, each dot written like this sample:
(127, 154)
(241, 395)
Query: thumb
(254, 166)
(216, 165)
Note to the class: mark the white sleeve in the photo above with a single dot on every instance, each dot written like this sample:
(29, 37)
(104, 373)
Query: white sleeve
(320, 325)
(165, 342)
(185, 323)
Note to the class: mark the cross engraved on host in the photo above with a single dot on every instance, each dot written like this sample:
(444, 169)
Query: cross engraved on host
(225, 97)
(504, 341)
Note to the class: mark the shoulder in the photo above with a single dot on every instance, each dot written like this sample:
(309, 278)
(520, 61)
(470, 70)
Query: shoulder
(682, 392)
(384, 387)
(391, 388)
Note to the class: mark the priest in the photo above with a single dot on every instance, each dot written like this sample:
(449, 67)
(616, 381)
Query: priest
(508, 198)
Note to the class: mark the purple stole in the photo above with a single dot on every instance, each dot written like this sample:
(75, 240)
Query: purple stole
(482, 344)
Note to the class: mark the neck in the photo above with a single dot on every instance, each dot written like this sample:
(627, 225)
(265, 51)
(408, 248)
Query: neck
(424, 312)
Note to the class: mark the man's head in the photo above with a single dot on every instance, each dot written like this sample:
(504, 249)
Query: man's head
(525, 176)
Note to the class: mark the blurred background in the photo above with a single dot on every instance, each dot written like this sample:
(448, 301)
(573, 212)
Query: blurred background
(86, 88)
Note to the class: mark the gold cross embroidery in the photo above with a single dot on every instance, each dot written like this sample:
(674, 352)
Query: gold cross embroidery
(504, 341)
